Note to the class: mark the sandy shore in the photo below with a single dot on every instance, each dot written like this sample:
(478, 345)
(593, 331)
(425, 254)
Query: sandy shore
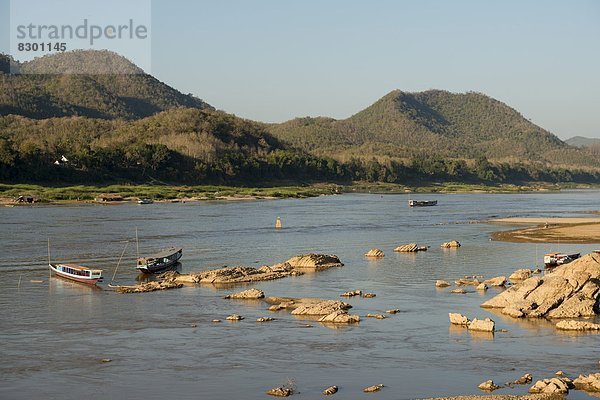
(551, 230)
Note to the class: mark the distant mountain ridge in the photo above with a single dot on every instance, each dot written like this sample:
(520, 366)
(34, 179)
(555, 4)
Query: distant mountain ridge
(128, 93)
(580, 141)
(439, 123)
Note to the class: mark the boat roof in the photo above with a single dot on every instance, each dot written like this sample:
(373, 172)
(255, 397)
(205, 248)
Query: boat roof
(165, 253)
(79, 267)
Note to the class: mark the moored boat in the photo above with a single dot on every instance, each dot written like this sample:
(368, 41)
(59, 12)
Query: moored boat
(556, 258)
(77, 273)
(422, 203)
(145, 201)
(160, 261)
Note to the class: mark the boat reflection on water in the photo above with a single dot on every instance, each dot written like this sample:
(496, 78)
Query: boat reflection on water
(62, 285)
(149, 277)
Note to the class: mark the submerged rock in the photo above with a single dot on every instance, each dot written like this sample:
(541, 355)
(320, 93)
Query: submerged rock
(265, 319)
(458, 291)
(351, 293)
(374, 388)
(330, 390)
(488, 386)
(483, 325)
(453, 244)
(458, 319)
(376, 316)
(374, 253)
(570, 325)
(441, 284)
(369, 295)
(393, 311)
(151, 286)
(234, 317)
(570, 291)
(247, 294)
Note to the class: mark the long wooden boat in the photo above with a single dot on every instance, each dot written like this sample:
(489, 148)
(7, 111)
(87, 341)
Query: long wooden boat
(160, 261)
(77, 273)
(422, 203)
(554, 259)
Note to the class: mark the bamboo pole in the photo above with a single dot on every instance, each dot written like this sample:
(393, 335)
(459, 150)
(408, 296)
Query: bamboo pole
(119, 262)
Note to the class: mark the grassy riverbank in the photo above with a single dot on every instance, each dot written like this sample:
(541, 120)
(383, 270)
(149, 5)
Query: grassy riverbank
(87, 193)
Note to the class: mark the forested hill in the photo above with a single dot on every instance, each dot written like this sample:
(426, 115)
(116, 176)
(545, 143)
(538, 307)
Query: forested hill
(436, 123)
(128, 93)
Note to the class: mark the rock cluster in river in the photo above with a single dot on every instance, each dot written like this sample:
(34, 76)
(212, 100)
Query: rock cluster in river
(484, 325)
(589, 383)
(410, 248)
(330, 311)
(247, 294)
(570, 291)
(571, 325)
(520, 275)
(315, 261)
(149, 287)
(453, 244)
(560, 385)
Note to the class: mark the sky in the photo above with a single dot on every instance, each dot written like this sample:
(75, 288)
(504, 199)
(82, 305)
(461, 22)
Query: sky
(273, 60)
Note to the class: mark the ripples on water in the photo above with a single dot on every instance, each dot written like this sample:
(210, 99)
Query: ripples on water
(54, 333)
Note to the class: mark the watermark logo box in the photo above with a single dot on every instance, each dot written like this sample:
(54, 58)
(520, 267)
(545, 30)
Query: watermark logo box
(98, 34)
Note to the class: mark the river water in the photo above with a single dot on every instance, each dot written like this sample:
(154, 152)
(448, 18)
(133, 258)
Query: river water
(164, 345)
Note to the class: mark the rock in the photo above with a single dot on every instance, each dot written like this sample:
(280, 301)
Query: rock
(265, 319)
(485, 325)
(441, 284)
(216, 320)
(323, 307)
(280, 392)
(570, 291)
(247, 294)
(453, 244)
(537, 271)
(524, 380)
(422, 248)
(374, 253)
(394, 311)
(330, 390)
(482, 287)
(559, 373)
(234, 317)
(488, 386)
(369, 295)
(458, 291)
(570, 325)
(589, 383)
(407, 248)
(520, 275)
(374, 388)
(497, 281)
(105, 360)
(315, 261)
(228, 275)
(376, 316)
(351, 293)
(465, 281)
(552, 385)
(458, 319)
(149, 287)
(340, 317)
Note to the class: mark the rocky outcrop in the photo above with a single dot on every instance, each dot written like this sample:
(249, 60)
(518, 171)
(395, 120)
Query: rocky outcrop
(488, 386)
(458, 319)
(374, 253)
(247, 294)
(330, 390)
(467, 281)
(315, 261)
(589, 383)
(234, 317)
(280, 391)
(374, 388)
(410, 248)
(552, 385)
(453, 244)
(482, 325)
(148, 287)
(497, 281)
(351, 293)
(570, 325)
(265, 319)
(340, 317)
(570, 291)
(520, 275)
(322, 307)
(524, 380)
(369, 295)
(458, 291)
(482, 287)
(441, 284)
(376, 316)
(229, 275)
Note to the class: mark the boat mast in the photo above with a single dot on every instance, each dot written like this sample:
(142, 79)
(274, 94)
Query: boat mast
(49, 268)
(137, 243)
(119, 262)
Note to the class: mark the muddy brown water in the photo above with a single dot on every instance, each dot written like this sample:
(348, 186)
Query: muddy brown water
(53, 334)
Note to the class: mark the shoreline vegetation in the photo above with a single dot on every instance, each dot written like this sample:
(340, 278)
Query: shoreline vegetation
(69, 194)
(550, 230)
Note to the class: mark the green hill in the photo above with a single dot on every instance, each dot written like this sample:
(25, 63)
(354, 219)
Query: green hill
(128, 93)
(437, 123)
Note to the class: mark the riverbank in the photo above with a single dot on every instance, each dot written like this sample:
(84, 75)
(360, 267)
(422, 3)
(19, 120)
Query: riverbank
(180, 193)
(550, 230)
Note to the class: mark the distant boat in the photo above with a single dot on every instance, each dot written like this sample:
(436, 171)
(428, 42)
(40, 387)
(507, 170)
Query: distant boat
(77, 273)
(160, 261)
(422, 203)
(554, 259)
(145, 201)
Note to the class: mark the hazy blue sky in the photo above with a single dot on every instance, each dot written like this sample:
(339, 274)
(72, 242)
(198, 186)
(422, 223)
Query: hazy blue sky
(272, 60)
